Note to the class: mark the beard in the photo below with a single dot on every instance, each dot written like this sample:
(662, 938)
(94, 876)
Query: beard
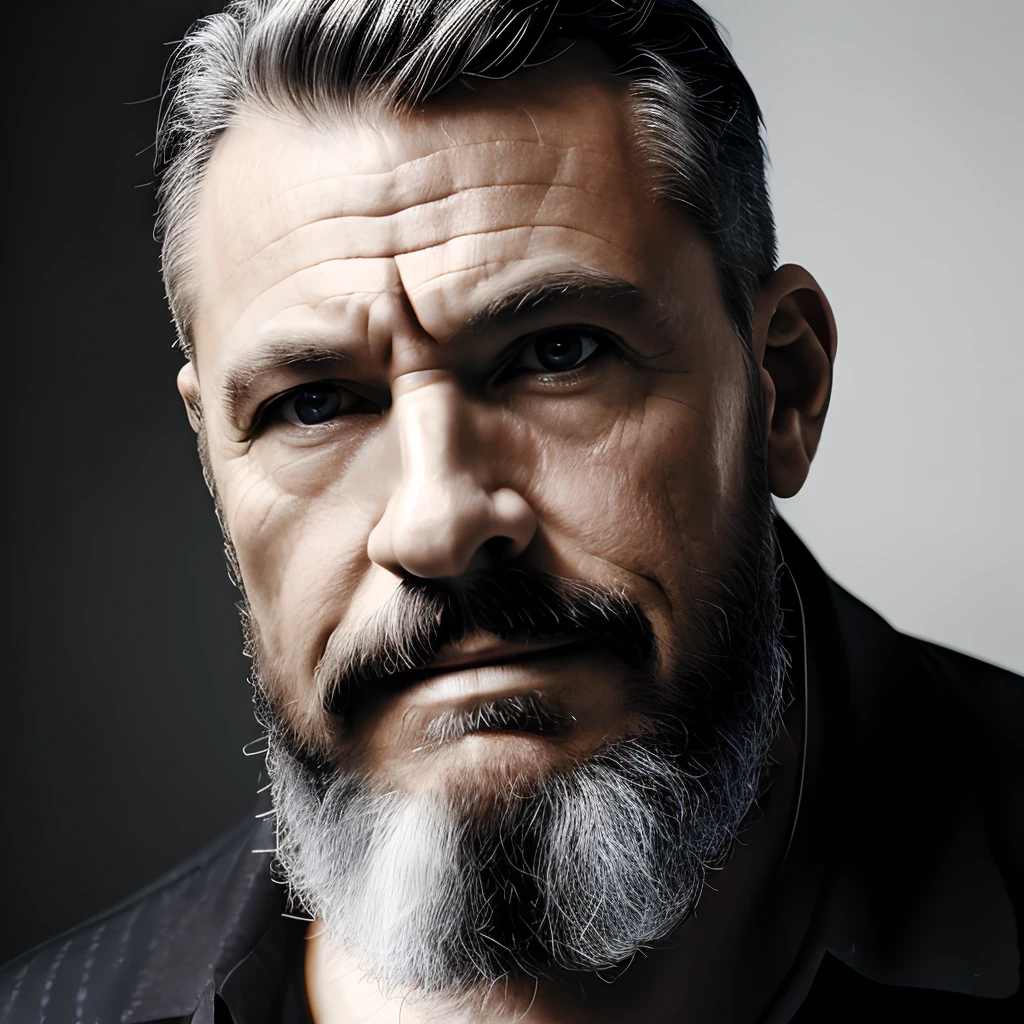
(444, 892)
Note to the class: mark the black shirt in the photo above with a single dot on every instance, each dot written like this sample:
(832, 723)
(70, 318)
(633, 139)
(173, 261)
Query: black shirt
(268, 985)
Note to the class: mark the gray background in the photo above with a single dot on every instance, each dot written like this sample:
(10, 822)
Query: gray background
(897, 151)
(897, 143)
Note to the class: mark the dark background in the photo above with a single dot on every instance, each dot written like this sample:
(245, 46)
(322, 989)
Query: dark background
(125, 698)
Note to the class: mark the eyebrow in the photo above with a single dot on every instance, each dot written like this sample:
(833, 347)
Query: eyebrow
(536, 294)
(579, 284)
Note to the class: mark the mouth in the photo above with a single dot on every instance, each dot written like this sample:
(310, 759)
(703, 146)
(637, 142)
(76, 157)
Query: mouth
(464, 658)
(497, 705)
(480, 685)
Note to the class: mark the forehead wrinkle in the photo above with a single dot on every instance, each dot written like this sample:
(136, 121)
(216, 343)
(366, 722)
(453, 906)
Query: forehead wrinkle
(450, 196)
(360, 179)
(373, 294)
(439, 224)
(294, 281)
(529, 230)
(456, 176)
(272, 329)
(568, 166)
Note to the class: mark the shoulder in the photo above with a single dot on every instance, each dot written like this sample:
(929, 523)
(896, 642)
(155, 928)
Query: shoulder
(989, 704)
(925, 747)
(984, 701)
(935, 783)
(991, 697)
(154, 951)
(883, 664)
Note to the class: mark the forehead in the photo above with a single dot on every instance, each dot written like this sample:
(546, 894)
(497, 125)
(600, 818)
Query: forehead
(302, 225)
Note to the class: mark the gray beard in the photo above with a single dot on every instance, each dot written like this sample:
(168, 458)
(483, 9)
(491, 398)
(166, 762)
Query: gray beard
(578, 871)
(594, 864)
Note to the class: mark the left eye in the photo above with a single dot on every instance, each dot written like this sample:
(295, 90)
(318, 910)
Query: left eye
(560, 350)
(311, 404)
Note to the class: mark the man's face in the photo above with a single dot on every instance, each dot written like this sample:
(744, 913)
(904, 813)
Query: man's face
(601, 435)
(435, 346)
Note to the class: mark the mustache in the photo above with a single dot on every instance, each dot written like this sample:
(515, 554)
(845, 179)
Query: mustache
(517, 604)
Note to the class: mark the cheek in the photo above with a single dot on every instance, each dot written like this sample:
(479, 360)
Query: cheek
(300, 538)
(643, 484)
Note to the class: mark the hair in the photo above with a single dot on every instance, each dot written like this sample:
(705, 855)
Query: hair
(698, 123)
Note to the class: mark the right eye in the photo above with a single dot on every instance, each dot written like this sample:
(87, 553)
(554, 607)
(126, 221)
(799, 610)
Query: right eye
(309, 405)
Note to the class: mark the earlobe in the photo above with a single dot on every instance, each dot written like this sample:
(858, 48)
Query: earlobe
(188, 388)
(794, 339)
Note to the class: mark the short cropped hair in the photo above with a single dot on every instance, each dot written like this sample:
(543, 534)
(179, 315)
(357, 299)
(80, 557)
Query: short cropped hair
(696, 117)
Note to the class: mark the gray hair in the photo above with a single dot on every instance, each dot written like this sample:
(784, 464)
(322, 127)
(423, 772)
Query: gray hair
(697, 120)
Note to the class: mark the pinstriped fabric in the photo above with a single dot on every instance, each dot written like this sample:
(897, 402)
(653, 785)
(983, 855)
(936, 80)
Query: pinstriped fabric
(228, 936)
(52, 973)
(14, 990)
(158, 955)
(156, 951)
(82, 996)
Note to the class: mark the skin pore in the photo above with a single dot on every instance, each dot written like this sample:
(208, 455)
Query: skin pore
(517, 353)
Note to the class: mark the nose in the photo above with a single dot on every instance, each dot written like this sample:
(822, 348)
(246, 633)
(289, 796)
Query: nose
(449, 506)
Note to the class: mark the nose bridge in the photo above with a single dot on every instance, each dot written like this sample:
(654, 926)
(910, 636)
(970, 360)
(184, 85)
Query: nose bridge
(449, 499)
(436, 432)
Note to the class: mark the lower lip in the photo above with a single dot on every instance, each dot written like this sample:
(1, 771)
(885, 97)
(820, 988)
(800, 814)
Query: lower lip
(497, 679)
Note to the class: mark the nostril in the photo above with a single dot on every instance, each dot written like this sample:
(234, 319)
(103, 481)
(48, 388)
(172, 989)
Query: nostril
(490, 553)
(500, 549)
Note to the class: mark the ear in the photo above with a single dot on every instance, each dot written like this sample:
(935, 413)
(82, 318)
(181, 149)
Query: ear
(794, 343)
(188, 388)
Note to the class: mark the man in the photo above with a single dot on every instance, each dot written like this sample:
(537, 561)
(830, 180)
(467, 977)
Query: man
(494, 375)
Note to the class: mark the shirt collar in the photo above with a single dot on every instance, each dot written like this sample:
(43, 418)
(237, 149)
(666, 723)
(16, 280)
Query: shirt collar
(254, 988)
(220, 902)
